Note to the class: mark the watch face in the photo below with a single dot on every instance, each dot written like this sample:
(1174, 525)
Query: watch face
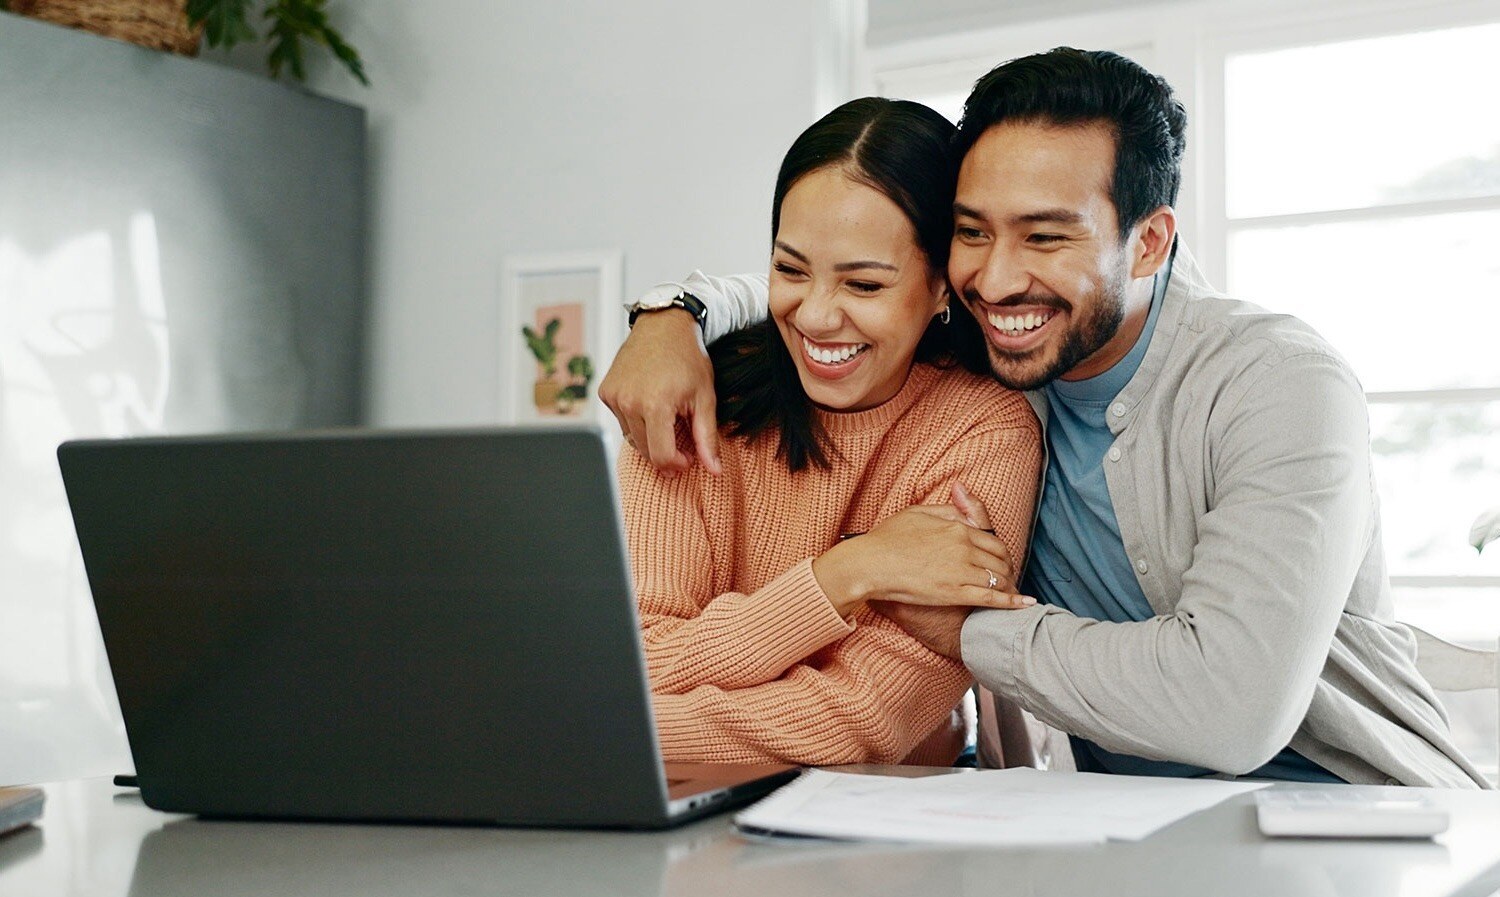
(683, 300)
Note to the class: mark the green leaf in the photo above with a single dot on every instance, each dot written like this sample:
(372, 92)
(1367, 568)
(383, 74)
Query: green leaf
(293, 21)
(542, 347)
(1486, 529)
(224, 22)
(345, 54)
(286, 41)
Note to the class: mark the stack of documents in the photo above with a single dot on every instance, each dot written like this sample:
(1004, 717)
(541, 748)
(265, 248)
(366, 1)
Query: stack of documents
(997, 807)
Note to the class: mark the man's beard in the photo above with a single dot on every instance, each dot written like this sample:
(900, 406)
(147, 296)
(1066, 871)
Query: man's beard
(1084, 337)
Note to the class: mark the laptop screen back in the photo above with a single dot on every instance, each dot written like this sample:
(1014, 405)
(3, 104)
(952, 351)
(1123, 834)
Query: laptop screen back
(364, 625)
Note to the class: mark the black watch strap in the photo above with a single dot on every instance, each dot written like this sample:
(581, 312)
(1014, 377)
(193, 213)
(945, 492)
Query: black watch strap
(684, 300)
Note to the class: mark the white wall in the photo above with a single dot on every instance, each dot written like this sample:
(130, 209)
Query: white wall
(892, 21)
(653, 126)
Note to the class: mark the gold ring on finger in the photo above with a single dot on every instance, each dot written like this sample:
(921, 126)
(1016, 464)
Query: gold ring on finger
(993, 581)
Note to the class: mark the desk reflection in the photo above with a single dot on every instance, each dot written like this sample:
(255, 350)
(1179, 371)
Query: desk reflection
(734, 867)
(95, 841)
(20, 844)
(191, 858)
(238, 859)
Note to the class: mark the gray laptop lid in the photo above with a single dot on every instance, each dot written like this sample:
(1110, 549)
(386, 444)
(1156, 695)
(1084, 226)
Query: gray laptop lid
(418, 626)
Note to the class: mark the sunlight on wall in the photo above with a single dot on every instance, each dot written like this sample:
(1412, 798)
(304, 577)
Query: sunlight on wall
(83, 352)
(181, 251)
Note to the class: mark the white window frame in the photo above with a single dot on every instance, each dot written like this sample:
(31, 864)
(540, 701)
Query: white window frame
(1226, 36)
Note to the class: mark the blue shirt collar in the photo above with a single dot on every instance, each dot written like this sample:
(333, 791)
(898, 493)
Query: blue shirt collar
(1103, 387)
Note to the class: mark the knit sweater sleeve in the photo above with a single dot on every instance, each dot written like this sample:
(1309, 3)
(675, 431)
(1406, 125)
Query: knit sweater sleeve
(870, 698)
(692, 636)
(774, 675)
(999, 463)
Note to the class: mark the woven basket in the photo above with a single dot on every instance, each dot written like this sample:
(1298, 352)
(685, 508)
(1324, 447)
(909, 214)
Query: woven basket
(158, 24)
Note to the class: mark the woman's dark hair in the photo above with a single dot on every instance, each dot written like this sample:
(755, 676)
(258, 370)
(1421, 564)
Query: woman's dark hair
(1066, 87)
(903, 150)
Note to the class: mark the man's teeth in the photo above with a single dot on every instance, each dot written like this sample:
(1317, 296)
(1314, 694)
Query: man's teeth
(833, 356)
(1014, 325)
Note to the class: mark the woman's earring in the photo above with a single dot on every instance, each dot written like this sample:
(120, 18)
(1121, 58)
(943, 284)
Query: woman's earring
(947, 314)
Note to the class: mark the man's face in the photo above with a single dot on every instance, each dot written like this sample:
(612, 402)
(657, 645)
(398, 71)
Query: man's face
(1036, 251)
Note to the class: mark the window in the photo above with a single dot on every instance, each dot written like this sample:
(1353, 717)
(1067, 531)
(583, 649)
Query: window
(1361, 191)
(1344, 166)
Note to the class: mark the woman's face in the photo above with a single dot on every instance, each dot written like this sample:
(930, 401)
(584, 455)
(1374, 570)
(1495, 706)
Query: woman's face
(851, 292)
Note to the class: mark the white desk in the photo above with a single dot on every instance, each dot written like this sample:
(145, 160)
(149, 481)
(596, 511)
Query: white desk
(99, 841)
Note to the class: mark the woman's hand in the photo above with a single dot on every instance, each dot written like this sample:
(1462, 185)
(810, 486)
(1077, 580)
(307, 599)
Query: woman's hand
(927, 555)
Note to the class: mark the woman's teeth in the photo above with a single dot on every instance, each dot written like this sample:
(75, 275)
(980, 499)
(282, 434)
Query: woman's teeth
(833, 356)
(1015, 325)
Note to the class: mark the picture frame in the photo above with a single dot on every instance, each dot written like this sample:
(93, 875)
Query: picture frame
(561, 321)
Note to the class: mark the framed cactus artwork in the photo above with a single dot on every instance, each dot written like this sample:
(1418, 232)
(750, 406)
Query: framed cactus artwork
(561, 320)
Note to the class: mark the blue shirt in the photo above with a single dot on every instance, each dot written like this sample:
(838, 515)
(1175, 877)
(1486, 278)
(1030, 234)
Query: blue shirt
(1078, 559)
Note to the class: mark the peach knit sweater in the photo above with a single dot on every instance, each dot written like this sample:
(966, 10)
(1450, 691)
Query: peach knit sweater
(748, 660)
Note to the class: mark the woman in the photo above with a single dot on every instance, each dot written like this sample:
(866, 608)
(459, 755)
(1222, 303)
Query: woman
(849, 407)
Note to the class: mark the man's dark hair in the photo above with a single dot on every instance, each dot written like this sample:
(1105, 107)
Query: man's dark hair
(902, 149)
(1069, 87)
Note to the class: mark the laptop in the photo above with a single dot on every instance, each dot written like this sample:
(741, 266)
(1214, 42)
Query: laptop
(433, 626)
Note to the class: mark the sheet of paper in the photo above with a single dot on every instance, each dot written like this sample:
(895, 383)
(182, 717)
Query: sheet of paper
(995, 807)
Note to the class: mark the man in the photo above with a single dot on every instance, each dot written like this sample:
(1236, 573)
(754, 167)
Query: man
(1207, 547)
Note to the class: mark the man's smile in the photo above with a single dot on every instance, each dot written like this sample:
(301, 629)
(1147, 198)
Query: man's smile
(1017, 329)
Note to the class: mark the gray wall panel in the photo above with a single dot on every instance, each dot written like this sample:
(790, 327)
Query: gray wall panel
(180, 251)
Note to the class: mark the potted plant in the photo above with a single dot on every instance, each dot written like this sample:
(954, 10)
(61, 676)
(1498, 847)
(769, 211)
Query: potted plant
(550, 395)
(543, 348)
(178, 26)
(157, 24)
(225, 23)
(580, 374)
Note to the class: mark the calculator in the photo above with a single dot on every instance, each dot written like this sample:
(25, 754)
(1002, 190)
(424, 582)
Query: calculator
(1308, 813)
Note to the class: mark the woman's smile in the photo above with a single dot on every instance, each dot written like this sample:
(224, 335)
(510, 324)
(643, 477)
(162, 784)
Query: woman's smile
(832, 361)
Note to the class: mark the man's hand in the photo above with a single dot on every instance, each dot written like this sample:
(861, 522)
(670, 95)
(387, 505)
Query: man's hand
(939, 628)
(662, 373)
(973, 509)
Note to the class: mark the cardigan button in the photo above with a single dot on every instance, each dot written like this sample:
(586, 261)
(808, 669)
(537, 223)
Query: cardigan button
(1118, 409)
(1114, 453)
(1140, 565)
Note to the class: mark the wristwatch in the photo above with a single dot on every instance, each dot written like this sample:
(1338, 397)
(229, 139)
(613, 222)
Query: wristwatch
(681, 299)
